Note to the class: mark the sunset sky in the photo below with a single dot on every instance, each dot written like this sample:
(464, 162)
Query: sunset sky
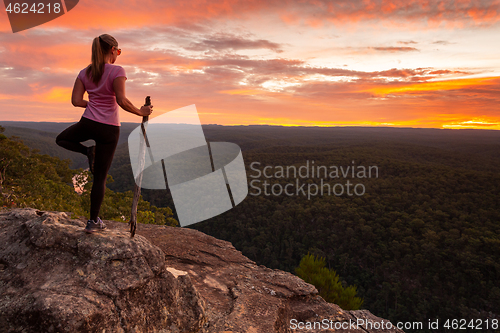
(404, 63)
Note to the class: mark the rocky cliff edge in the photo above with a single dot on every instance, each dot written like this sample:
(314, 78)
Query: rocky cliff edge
(56, 278)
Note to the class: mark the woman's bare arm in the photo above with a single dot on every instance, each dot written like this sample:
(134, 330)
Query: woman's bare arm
(77, 94)
(122, 100)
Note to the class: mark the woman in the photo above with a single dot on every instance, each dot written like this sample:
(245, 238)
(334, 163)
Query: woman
(105, 84)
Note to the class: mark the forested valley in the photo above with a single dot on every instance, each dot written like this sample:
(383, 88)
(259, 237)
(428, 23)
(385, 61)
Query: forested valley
(422, 242)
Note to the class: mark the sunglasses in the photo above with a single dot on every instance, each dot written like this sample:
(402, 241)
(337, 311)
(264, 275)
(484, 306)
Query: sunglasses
(118, 51)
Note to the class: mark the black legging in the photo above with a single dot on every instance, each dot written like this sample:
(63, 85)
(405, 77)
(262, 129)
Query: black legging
(106, 138)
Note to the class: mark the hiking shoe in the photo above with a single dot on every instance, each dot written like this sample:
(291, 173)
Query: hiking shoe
(91, 157)
(103, 226)
(93, 226)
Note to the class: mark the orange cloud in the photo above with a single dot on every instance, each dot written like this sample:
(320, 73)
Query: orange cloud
(56, 95)
(43, 54)
(432, 86)
(242, 92)
(116, 14)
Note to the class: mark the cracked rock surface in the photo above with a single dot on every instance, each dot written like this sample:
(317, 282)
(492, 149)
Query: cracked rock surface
(56, 278)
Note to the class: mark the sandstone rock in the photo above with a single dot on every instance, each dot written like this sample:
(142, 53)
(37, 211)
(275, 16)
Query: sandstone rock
(56, 278)
(241, 296)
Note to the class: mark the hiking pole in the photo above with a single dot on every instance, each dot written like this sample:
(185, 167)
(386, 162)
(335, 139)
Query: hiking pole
(138, 182)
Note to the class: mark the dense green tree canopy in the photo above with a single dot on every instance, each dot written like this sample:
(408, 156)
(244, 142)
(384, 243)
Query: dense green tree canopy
(29, 179)
(312, 269)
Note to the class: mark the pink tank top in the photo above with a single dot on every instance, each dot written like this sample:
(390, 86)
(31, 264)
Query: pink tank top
(102, 106)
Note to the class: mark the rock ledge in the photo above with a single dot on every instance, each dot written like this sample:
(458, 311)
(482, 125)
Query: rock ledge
(56, 278)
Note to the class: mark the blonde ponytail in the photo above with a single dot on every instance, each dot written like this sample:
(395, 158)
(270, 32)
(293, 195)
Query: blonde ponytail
(100, 47)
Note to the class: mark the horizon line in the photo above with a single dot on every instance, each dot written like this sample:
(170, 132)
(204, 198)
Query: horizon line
(278, 125)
